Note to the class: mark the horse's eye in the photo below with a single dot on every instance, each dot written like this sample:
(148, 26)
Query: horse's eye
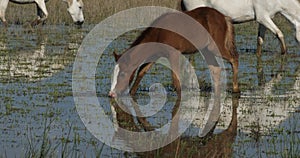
(80, 8)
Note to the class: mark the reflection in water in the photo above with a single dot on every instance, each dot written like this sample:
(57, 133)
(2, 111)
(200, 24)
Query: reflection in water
(260, 72)
(276, 78)
(32, 56)
(296, 86)
(212, 145)
(258, 112)
(29, 110)
(267, 106)
(24, 106)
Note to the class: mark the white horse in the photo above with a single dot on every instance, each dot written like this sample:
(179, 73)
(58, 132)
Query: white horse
(74, 8)
(260, 10)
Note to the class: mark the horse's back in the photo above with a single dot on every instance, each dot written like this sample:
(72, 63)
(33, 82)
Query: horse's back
(173, 29)
(209, 18)
(218, 25)
(213, 25)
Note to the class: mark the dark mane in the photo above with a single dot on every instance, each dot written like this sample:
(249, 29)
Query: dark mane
(141, 37)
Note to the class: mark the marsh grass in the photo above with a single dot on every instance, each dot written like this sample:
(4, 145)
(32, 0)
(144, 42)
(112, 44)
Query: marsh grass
(94, 10)
(44, 146)
(97, 10)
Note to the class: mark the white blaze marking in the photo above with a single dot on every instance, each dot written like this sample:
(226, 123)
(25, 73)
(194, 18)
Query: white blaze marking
(114, 78)
(114, 118)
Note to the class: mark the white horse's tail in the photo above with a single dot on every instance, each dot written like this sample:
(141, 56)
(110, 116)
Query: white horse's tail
(181, 6)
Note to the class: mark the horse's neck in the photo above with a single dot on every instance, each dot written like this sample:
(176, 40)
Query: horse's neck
(138, 55)
(145, 52)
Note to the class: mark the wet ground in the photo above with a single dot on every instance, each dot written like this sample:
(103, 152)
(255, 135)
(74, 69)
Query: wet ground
(38, 116)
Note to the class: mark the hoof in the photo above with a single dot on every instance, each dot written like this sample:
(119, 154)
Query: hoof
(236, 94)
(284, 52)
(5, 24)
(236, 91)
(112, 94)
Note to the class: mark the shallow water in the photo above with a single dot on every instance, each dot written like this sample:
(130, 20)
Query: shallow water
(38, 114)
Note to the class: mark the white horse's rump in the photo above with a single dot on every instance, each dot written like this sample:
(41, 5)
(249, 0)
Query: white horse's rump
(74, 8)
(260, 10)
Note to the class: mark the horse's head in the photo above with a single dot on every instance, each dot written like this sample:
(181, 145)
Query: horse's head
(75, 9)
(122, 76)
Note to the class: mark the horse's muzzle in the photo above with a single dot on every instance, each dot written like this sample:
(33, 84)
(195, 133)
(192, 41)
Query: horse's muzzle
(112, 94)
(79, 22)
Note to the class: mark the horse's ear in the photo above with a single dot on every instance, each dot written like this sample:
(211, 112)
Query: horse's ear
(117, 57)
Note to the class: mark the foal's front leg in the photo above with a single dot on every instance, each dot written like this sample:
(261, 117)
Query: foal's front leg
(216, 74)
(141, 72)
(235, 68)
(174, 59)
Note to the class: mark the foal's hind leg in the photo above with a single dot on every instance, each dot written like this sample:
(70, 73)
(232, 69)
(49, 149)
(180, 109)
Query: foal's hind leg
(235, 67)
(214, 68)
(141, 72)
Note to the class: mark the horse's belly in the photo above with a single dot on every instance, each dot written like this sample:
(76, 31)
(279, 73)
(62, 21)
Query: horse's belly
(22, 1)
(238, 10)
(241, 19)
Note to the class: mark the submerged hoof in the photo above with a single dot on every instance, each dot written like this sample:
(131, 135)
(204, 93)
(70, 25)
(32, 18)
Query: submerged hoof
(234, 90)
(5, 24)
(283, 52)
(236, 93)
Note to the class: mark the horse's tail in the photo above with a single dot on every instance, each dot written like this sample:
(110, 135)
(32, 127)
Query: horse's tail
(230, 40)
(181, 6)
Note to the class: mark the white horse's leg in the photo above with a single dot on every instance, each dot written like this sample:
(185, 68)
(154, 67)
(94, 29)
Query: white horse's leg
(268, 23)
(3, 6)
(42, 12)
(260, 39)
(42, 6)
(39, 11)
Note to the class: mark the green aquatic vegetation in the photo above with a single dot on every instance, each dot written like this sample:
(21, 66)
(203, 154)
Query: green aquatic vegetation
(8, 108)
